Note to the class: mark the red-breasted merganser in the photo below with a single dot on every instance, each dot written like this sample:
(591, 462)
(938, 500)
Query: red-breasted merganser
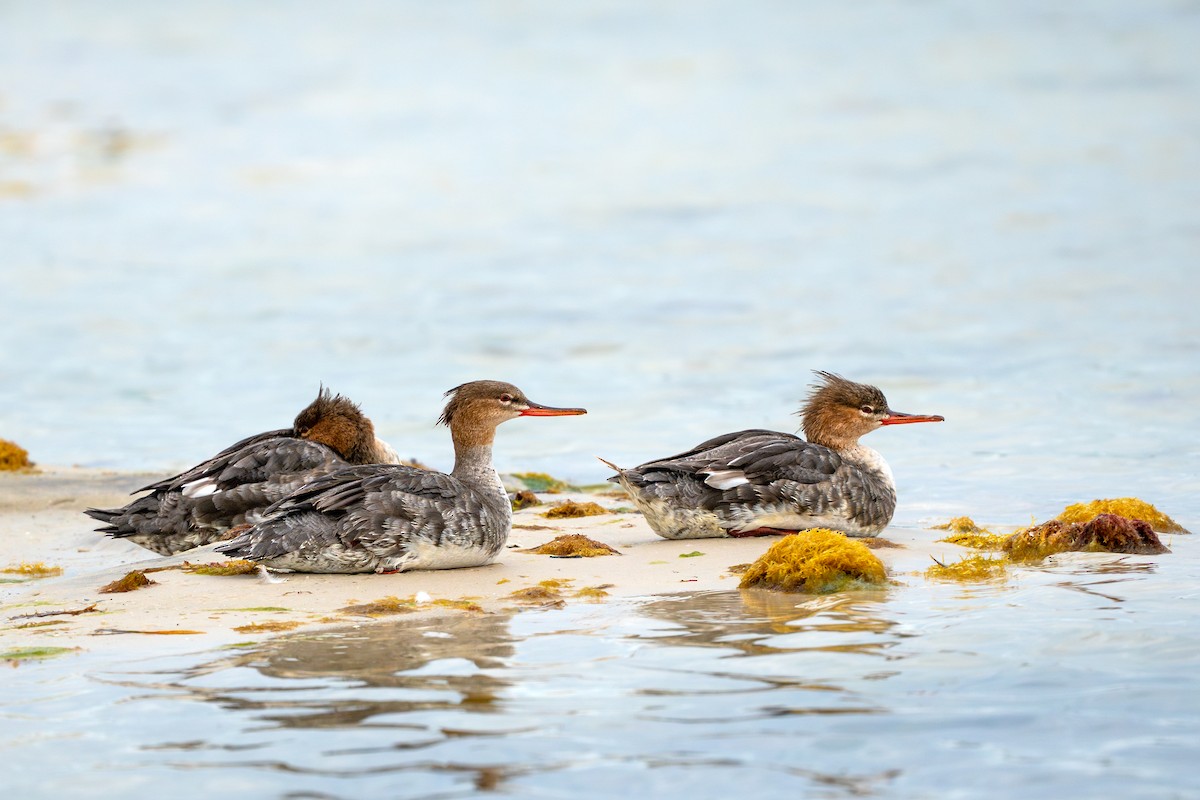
(381, 518)
(237, 485)
(755, 483)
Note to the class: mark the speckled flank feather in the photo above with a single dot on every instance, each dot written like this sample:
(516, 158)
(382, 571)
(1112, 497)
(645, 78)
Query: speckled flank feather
(754, 480)
(380, 519)
(236, 486)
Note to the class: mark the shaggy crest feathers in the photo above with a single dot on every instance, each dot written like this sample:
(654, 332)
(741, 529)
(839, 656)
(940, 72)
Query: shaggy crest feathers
(337, 421)
(835, 389)
(820, 415)
(326, 404)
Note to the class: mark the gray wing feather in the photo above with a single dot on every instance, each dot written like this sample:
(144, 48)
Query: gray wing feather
(239, 484)
(364, 512)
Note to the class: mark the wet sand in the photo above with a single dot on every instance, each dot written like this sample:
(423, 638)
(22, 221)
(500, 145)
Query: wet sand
(41, 520)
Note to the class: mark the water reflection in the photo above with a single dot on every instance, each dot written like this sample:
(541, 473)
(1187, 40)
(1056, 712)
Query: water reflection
(810, 647)
(693, 689)
(702, 694)
(435, 664)
(760, 622)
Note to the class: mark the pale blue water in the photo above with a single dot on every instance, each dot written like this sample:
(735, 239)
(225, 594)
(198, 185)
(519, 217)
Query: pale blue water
(668, 213)
(1040, 687)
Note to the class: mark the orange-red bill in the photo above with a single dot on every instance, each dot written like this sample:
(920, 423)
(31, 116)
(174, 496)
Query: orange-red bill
(900, 418)
(536, 410)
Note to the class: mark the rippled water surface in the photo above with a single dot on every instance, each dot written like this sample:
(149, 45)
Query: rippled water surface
(668, 213)
(1037, 687)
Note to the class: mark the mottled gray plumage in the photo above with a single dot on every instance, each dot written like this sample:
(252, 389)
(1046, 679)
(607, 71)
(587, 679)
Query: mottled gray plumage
(236, 486)
(382, 518)
(378, 518)
(758, 481)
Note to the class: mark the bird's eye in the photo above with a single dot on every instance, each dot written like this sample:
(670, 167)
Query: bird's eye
(506, 398)
(867, 410)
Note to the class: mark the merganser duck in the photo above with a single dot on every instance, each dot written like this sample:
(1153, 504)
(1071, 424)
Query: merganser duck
(756, 482)
(382, 518)
(235, 486)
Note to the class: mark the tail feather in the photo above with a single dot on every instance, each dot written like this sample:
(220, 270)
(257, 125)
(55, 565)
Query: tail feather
(615, 478)
(105, 515)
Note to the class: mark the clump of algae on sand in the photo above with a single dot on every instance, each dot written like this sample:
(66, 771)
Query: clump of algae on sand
(816, 561)
(14, 458)
(1128, 507)
(573, 545)
(966, 533)
(524, 499)
(381, 607)
(461, 604)
(33, 569)
(17, 655)
(391, 604)
(1107, 533)
(130, 583)
(545, 594)
(969, 569)
(569, 509)
(237, 566)
(594, 592)
(269, 627)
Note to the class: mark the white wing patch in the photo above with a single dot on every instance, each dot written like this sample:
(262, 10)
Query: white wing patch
(725, 478)
(200, 488)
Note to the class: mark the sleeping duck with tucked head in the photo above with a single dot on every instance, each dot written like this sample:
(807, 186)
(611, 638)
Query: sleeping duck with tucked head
(236, 486)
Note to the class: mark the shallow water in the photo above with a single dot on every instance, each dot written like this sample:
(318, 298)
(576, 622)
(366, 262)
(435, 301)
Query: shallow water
(1036, 687)
(669, 213)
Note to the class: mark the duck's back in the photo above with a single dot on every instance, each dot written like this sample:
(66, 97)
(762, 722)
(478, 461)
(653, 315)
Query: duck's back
(233, 487)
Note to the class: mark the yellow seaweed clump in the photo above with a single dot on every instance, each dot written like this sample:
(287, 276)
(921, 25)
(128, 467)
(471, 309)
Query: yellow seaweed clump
(965, 533)
(569, 509)
(545, 594)
(969, 569)
(33, 569)
(13, 457)
(573, 545)
(382, 607)
(594, 592)
(237, 566)
(1107, 533)
(817, 561)
(977, 541)
(268, 627)
(960, 525)
(131, 582)
(1129, 507)
(524, 499)
(461, 604)
(17, 655)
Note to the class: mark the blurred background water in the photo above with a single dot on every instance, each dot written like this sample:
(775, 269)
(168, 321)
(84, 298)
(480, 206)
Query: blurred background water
(669, 213)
